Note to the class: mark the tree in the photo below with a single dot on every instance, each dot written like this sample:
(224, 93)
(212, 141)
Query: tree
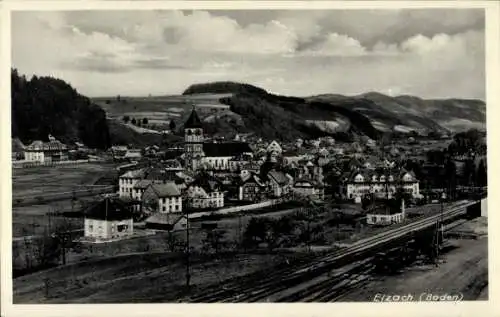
(133, 121)
(172, 125)
(214, 239)
(468, 173)
(482, 174)
(118, 98)
(126, 119)
(144, 121)
(450, 176)
(172, 241)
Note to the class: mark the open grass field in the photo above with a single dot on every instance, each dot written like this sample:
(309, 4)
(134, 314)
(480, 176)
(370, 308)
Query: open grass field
(42, 180)
(39, 181)
(156, 107)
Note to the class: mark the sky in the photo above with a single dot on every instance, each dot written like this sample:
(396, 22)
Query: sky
(430, 53)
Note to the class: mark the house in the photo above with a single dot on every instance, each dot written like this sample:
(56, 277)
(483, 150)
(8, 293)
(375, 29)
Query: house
(309, 187)
(167, 222)
(119, 150)
(205, 192)
(17, 149)
(133, 154)
(127, 181)
(163, 198)
(274, 149)
(386, 216)
(279, 183)
(139, 189)
(250, 187)
(108, 219)
(382, 183)
(52, 151)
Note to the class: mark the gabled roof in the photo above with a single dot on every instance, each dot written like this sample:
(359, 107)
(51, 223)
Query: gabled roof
(143, 184)
(46, 146)
(193, 121)
(164, 218)
(139, 173)
(108, 209)
(208, 183)
(166, 190)
(252, 178)
(226, 149)
(278, 176)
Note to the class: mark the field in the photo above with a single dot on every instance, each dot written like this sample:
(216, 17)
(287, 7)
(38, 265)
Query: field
(39, 181)
(156, 107)
(42, 180)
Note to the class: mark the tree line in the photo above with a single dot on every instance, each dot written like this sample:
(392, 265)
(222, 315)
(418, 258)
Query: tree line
(47, 105)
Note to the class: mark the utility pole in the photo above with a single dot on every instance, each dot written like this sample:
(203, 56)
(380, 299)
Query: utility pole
(188, 276)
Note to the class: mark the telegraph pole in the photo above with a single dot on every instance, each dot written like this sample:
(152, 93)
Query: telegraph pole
(188, 275)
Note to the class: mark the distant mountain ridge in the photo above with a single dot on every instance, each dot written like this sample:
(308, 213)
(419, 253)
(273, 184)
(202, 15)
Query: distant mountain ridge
(372, 114)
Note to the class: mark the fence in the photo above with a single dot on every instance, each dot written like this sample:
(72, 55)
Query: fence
(225, 211)
(25, 164)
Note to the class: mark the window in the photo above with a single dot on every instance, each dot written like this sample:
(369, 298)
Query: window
(164, 208)
(122, 228)
(91, 227)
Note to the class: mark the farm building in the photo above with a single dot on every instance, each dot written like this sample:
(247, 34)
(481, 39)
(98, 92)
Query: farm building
(167, 221)
(108, 219)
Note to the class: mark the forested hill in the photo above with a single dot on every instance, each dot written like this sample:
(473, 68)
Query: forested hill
(47, 105)
(371, 114)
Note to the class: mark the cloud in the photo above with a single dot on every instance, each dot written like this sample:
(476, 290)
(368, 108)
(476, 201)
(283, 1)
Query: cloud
(287, 52)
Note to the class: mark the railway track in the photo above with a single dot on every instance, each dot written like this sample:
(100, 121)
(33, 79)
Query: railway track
(260, 286)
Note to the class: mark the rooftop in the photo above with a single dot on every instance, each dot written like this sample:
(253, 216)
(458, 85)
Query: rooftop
(226, 149)
(166, 190)
(109, 209)
(193, 121)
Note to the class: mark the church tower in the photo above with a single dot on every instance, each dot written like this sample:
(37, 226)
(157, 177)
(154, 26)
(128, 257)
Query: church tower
(193, 141)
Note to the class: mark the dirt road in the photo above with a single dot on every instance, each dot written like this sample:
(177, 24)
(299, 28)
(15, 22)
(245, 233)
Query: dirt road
(464, 271)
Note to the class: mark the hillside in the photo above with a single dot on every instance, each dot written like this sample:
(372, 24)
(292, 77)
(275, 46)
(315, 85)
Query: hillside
(371, 114)
(46, 105)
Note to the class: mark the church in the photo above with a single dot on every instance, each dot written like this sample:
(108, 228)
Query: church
(200, 153)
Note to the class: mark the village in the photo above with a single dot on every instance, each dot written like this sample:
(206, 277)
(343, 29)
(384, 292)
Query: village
(208, 195)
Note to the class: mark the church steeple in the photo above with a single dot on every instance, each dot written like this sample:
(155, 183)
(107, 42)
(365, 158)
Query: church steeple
(193, 122)
(193, 140)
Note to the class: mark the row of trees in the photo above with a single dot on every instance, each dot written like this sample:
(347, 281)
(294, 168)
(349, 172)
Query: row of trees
(145, 121)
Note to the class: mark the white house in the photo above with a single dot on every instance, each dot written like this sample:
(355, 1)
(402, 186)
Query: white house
(127, 181)
(382, 184)
(52, 151)
(163, 198)
(108, 219)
